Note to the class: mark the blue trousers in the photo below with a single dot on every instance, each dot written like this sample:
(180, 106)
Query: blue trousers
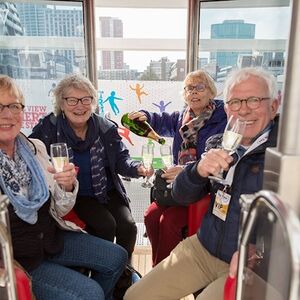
(53, 279)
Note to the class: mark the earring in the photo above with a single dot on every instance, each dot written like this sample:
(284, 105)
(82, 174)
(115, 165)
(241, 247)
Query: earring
(63, 114)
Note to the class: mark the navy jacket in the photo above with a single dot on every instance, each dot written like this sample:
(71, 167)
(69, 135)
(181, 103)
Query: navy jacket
(116, 152)
(219, 237)
(168, 125)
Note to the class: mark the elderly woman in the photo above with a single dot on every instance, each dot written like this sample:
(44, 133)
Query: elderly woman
(201, 118)
(43, 243)
(96, 148)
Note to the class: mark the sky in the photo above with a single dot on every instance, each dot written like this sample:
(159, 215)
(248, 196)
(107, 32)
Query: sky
(271, 23)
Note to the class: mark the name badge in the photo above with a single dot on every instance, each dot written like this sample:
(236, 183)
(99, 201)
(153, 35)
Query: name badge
(221, 205)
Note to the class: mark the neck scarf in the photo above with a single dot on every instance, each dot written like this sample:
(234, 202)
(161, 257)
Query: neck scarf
(23, 181)
(191, 124)
(93, 143)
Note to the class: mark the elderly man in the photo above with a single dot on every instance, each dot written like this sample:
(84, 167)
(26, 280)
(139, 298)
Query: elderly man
(202, 261)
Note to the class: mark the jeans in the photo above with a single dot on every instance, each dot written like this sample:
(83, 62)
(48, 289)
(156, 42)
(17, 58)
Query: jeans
(54, 280)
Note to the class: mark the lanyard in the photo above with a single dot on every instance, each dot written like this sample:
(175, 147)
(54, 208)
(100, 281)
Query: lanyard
(259, 141)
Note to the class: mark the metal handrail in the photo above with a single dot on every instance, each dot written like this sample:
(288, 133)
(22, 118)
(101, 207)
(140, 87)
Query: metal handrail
(291, 227)
(8, 277)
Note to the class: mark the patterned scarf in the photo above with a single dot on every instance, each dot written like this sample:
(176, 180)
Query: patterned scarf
(191, 124)
(23, 181)
(92, 143)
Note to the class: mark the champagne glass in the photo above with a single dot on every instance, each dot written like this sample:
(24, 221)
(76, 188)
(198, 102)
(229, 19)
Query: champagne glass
(167, 158)
(232, 138)
(59, 157)
(166, 155)
(147, 157)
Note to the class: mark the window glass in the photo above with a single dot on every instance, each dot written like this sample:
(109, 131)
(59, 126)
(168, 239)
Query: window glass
(235, 35)
(40, 44)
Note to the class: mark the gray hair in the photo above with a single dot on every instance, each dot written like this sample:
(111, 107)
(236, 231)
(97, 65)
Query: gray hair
(239, 75)
(73, 81)
(9, 85)
(205, 78)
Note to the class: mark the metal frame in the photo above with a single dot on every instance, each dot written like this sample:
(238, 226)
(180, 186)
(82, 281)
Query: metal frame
(291, 226)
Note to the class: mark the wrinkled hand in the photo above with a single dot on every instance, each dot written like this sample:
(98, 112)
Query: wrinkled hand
(170, 173)
(137, 115)
(66, 178)
(142, 171)
(233, 267)
(213, 162)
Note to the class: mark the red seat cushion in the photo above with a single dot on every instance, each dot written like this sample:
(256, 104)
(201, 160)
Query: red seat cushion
(72, 216)
(196, 212)
(23, 285)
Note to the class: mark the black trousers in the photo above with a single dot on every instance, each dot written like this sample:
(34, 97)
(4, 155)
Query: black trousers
(108, 221)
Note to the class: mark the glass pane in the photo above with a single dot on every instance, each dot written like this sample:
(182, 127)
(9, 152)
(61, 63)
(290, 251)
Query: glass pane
(262, 279)
(40, 44)
(235, 35)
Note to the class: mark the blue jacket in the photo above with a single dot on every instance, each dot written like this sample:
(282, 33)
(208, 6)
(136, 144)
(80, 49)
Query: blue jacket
(116, 152)
(219, 237)
(168, 125)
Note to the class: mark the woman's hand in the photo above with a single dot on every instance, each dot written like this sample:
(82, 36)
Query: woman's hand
(214, 162)
(142, 171)
(170, 173)
(66, 178)
(137, 115)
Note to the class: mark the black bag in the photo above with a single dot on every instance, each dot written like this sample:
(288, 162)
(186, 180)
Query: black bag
(128, 277)
(160, 193)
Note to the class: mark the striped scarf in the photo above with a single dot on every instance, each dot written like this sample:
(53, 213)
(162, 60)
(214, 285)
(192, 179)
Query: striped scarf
(94, 144)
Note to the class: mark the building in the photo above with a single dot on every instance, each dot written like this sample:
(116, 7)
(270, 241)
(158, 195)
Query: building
(158, 70)
(10, 25)
(43, 20)
(230, 29)
(177, 71)
(111, 27)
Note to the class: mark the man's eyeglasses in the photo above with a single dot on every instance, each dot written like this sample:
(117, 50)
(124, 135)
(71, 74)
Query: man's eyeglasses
(200, 87)
(251, 102)
(14, 108)
(72, 101)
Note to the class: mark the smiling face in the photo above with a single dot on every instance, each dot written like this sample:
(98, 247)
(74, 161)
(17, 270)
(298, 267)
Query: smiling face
(10, 124)
(256, 119)
(79, 114)
(197, 100)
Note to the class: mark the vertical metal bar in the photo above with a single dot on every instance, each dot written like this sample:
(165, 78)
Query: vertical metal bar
(282, 165)
(7, 256)
(192, 35)
(289, 138)
(90, 40)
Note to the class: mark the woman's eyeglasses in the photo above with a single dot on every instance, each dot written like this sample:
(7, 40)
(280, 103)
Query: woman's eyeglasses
(14, 108)
(200, 87)
(72, 101)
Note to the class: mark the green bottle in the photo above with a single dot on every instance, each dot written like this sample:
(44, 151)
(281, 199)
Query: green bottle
(141, 128)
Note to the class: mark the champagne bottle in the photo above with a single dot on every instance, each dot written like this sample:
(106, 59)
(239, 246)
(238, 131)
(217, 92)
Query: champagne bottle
(141, 128)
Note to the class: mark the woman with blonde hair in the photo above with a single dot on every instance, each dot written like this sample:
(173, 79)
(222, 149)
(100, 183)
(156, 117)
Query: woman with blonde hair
(201, 118)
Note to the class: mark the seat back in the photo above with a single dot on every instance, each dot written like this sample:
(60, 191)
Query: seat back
(196, 212)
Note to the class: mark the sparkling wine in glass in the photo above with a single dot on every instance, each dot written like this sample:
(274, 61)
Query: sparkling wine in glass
(166, 155)
(232, 137)
(59, 157)
(147, 157)
(167, 158)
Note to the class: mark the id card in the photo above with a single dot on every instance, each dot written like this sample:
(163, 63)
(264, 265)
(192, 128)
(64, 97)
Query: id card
(221, 205)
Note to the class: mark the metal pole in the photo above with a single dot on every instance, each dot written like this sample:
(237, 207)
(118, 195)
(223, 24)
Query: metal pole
(90, 40)
(192, 35)
(282, 165)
